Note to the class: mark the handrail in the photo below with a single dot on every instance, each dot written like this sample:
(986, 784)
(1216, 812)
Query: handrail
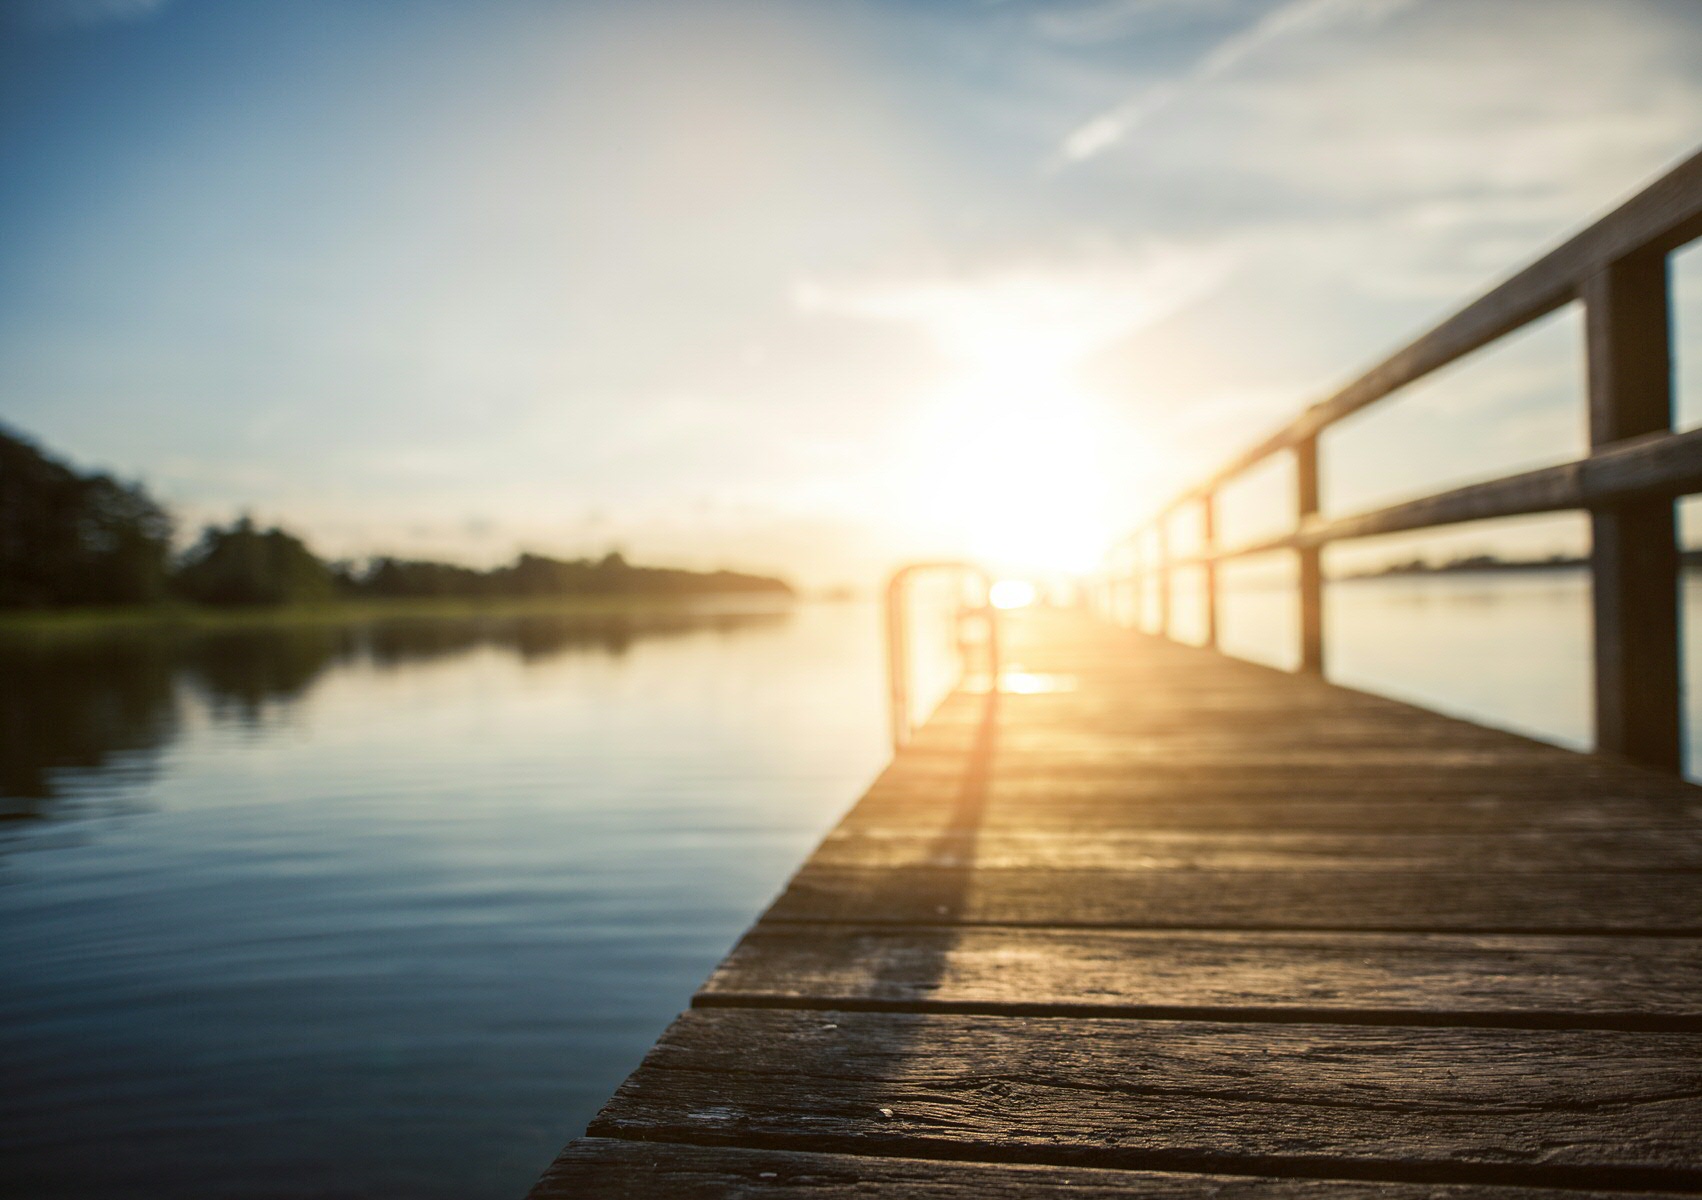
(1636, 468)
(898, 641)
(1663, 217)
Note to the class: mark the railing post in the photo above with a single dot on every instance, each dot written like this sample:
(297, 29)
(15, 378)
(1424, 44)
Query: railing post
(1208, 575)
(898, 636)
(1161, 532)
(1136, 594)
(1311, 559)
(897, 660)
(1634, 549)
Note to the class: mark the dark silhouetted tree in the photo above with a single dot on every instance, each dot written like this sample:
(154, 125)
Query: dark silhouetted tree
(67, 538)
(245, 565)
(404, 577)
(535, 575)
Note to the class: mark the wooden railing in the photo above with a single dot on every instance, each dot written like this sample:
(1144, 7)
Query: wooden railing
(1636, 468)
(965, 613)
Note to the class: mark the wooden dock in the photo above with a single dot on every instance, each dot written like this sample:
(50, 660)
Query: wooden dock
(1152, 921)
(1145, 920)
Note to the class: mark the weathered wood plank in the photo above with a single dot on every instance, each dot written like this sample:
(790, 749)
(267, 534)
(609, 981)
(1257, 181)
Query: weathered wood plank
(865, 844)
(1046, 726)
(1576, 902)
(1089, 808)
(1300, 762)
(615, 1169)
(1553, 982)
(1583, 1108)
(986, 944)
(1026, 738)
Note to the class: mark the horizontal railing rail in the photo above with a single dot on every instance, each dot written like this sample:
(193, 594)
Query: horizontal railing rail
(1637, 466)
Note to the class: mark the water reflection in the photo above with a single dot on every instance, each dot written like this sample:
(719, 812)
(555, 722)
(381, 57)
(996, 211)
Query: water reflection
(86, 702)
(77, 706)
(1507, 649)
(388, 909)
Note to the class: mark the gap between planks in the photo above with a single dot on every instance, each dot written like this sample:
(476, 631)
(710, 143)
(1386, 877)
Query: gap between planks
(618, 1169)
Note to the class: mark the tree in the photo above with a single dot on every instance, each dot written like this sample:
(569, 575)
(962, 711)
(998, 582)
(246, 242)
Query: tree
(67, 538)
(243, 565)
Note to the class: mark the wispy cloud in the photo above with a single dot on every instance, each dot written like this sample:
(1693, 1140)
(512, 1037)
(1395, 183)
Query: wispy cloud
(1058, 309)
(1293, 19)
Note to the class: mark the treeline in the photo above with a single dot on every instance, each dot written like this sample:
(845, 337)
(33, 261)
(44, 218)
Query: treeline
(1478, 562)
(67, 538)
(70, 539)
(536, 575)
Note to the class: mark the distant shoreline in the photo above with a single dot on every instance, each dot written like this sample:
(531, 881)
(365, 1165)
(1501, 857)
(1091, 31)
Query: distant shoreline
(355, 610)
(1495, 566)
(1689, 560)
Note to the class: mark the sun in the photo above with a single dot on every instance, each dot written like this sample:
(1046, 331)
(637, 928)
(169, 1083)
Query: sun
(1012, 593)
(1012, 466)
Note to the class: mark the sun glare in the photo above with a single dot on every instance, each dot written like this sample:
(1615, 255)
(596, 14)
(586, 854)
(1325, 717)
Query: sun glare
(1011, 593)
(1012, 459)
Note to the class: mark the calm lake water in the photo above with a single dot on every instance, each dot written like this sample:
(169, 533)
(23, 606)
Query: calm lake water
(389, 911)
(1510, 649)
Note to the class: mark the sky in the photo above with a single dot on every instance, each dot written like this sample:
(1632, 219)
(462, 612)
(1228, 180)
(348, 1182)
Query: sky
(808, 288)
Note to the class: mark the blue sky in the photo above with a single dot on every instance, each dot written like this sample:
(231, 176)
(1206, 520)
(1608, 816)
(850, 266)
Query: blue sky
(802, 287)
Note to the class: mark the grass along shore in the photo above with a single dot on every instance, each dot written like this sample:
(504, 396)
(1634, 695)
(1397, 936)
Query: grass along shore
(357, 610)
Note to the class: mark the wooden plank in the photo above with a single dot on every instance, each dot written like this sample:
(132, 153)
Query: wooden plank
(1539, 1107)
(1573, 901)
(1297, 767)
(614, 1169)
(1184, 730)
(866, 844)
(1294, 765)
(1634, 545)
(1093, 813)
(1182, 921)
(1134, 777)
(1169, 710)
(1155, 755)
(1063, 727)
(1550, 982)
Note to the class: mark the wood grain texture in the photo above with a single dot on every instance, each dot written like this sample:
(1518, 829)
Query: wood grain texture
(1572, 901)
(1372, 978)
(1461, 1105)
(616, 1169)
(865, 845)
(1179, 925)
(1297, 768)
(1113, 810)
